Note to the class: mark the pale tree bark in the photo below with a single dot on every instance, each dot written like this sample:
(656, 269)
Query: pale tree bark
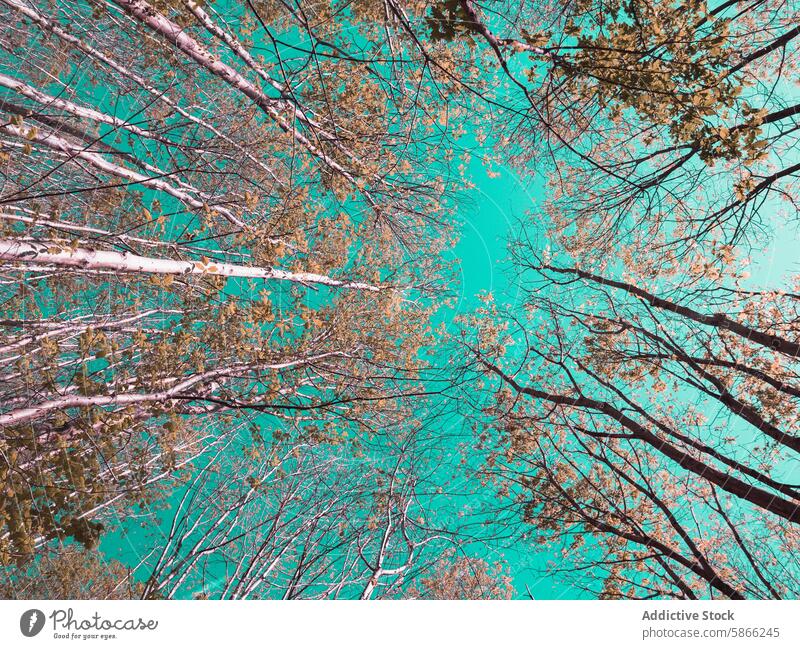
(125, 262)
(177, 391)
(176, 35)
(158, 95)
(74, 109)
(97, 161)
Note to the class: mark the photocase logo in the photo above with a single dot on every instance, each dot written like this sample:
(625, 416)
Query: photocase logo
(31, 622)
(66, 624)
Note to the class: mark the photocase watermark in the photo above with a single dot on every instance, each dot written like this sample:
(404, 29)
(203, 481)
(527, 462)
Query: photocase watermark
(66, 625)
(688, 623)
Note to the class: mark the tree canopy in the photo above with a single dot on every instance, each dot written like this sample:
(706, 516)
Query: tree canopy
(234, 329)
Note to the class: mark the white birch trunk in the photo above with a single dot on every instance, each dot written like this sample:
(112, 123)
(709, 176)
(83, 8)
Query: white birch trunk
(74, 109)
(125, 262)
(53, 28)
(175, 34)
(23, 415)
(99, 162)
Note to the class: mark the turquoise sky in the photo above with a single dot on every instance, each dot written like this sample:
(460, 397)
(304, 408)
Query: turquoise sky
(487, 216)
